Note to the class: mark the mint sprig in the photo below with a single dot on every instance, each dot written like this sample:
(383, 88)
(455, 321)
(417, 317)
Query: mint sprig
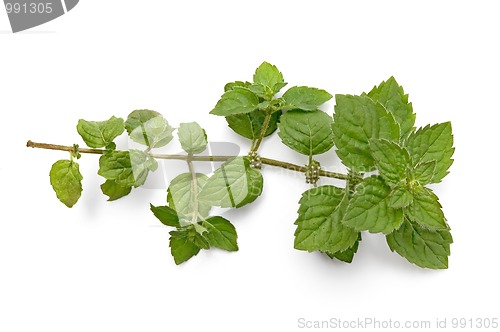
(390, 164)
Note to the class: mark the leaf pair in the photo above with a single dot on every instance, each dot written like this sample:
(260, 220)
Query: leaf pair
(146, 127)
(190, 198)
(246, 105)
(188, 240)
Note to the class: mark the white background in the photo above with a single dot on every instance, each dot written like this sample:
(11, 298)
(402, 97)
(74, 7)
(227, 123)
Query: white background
(106, 266)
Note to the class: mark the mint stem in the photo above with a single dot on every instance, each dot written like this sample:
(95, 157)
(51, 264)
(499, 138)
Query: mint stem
(265, 161)
(194, 188)
(265, 125)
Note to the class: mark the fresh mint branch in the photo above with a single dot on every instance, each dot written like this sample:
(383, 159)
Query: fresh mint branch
(265, 161)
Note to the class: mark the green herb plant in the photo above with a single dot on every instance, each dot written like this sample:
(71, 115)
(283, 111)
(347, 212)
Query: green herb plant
(390, 165)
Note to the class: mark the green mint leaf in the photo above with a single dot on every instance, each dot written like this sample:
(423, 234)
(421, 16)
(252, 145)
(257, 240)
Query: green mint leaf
(390, 159)
(305, 98)
(232, 85)
(264, 105)
(183, 195)
(201, 241)
(148, 128)
(392, 96)
(425, 210)
(424, 172)
(234, 184)
(433, 143)
(166, 215)
(111, 146)
(116, 166)
(421, 246)
(319, 225)
(369, 208)
(66, 180)
(347, 255)
(127, 168)
(183, 244)
(100, 134)
(249, 125)
(278, 86)
(269, 76)
(221, 233)
(192, 137)
(309, 133)
(400, 197)
(115, 190)
(358, 119)
(261, 91)
(236, 101)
